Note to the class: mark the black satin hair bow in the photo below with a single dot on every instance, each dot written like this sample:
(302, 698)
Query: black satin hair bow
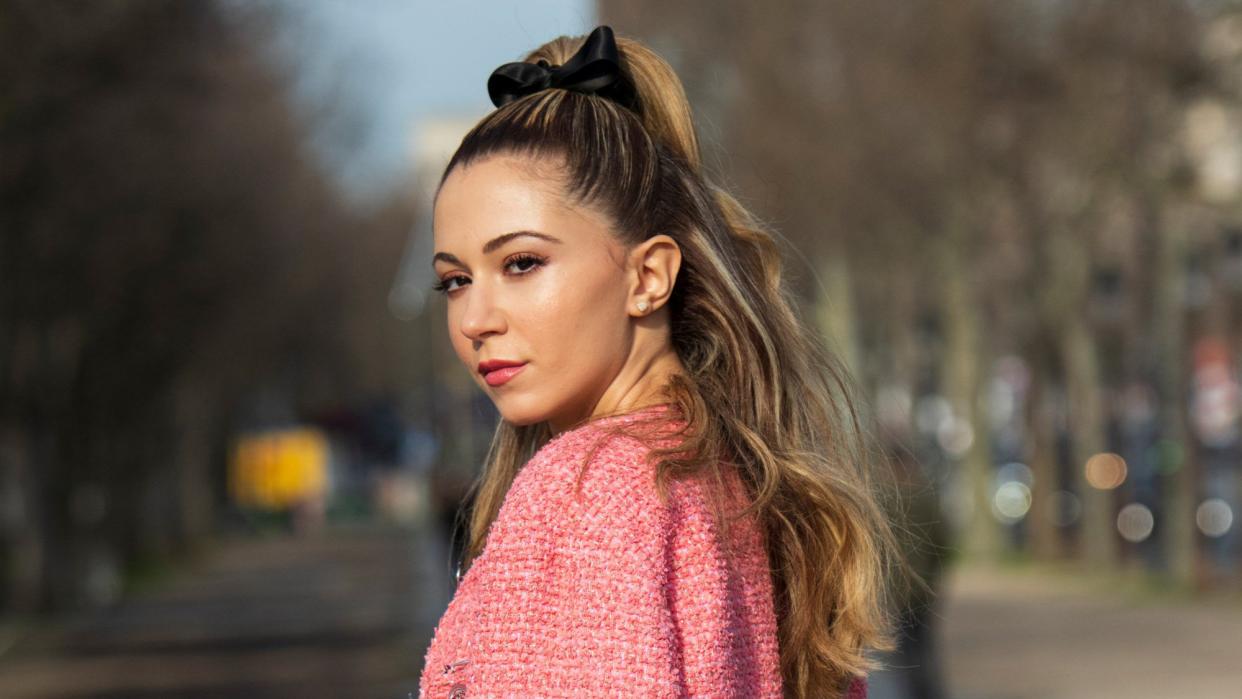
(595, 69)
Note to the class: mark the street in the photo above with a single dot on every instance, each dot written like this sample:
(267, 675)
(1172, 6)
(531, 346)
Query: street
(349, 613)
(1011, 635)
(332, 615)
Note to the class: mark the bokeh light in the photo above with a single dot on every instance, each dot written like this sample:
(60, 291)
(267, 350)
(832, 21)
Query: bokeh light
(1011, 502)
(1106, 471)
(955, 436)
(1169, 456)
(1135, 522)
(1214, 517)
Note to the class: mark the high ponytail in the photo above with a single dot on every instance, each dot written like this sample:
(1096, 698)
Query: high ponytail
(663, 109)
(760, 389)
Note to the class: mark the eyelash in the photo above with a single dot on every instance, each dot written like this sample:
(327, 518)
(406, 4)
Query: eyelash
(442, 286)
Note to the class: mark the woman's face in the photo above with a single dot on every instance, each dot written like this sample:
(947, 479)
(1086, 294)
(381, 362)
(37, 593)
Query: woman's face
(533, 281)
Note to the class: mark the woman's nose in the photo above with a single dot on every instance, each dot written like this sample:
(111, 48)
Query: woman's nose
(482, 316)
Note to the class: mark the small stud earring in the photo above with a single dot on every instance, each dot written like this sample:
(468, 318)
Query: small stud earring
(642, 306)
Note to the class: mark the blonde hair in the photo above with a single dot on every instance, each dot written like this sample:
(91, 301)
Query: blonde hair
(760, 392)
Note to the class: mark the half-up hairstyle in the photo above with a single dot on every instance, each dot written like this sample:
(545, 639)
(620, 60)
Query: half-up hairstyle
(761, 392)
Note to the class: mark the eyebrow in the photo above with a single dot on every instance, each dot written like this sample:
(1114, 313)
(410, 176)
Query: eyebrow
(494, 244)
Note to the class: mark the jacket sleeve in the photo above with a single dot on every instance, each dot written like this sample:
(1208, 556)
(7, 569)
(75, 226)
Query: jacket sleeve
(567, 598)
(612, 631)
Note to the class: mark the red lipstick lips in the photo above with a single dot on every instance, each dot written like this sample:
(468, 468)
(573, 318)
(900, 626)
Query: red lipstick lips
(497, 371)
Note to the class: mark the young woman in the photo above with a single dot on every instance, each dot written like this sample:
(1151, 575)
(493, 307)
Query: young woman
(676, 501)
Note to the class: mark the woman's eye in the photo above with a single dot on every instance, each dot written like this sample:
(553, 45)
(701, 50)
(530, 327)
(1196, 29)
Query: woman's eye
(445, 285)
(524, 263)
(521, 264)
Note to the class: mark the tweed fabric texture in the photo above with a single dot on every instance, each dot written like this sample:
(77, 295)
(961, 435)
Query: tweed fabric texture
(610, 592)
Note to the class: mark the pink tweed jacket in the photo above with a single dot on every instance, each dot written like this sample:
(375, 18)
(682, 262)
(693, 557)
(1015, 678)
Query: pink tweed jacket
(609, 592)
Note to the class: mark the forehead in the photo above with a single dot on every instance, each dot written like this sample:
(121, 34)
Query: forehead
(508, 193)
(500, 192)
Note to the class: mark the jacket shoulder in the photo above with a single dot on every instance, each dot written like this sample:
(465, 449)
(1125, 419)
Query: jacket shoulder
(596, 459)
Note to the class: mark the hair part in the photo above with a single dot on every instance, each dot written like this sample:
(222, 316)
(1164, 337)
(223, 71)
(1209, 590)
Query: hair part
(761, 392)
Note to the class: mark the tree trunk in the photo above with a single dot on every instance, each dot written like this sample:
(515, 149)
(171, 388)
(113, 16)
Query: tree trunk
(1045, 533)
(193, 462)
(1098, 541)
(963, 359)
(1170, 332)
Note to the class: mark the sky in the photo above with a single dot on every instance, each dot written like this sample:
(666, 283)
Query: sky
(367, 70)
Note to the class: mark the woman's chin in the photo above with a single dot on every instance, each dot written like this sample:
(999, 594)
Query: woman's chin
(518, 412)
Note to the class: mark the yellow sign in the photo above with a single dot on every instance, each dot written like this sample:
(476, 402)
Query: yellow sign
(277, 470)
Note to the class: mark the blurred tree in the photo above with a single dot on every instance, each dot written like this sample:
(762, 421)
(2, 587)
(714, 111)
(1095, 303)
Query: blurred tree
(964, 179)
(166, 247)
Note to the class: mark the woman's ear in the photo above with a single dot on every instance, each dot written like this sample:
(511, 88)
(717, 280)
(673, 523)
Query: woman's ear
(653, 267)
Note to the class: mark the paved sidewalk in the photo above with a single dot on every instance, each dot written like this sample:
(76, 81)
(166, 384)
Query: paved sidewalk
(1032, 635)
(331, 615)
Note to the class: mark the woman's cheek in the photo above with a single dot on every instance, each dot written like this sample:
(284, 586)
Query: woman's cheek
(548, 304)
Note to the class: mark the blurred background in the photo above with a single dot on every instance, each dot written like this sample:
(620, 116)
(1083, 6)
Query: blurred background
(234, 438)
